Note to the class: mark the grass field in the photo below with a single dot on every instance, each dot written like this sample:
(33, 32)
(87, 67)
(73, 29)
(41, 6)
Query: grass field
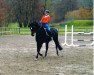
(79, 26)
(79, 23)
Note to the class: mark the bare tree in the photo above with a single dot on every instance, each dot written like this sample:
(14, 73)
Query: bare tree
(3, 10)
(26, 11)
(63, 7)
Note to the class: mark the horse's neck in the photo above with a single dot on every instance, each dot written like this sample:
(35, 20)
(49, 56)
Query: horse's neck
(41, 31)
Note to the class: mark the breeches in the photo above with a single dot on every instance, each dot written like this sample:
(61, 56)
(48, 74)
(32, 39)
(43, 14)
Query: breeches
(46, 26)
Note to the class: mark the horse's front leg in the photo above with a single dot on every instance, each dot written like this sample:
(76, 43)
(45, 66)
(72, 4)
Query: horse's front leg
(46, 49)
(39, 45)
(57, 51)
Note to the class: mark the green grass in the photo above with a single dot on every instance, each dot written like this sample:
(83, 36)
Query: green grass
(24, 31)
(79, 26)
(13, 25)
(79, 23)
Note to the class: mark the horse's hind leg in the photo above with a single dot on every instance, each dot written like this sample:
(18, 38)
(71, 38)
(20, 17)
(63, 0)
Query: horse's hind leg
(38, 50)
(46, 49)
(37, 55)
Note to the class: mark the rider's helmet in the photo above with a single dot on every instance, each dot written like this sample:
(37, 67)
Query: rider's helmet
(47, 11)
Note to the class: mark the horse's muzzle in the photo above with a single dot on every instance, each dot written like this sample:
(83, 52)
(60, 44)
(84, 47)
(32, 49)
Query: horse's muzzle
(32, 34)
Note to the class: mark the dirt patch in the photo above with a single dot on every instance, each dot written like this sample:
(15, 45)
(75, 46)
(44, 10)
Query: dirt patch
(17, 55)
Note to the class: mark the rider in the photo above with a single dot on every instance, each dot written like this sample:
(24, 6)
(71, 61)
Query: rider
(45, 20)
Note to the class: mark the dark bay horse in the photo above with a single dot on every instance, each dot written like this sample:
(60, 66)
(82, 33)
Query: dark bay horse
(43, 37)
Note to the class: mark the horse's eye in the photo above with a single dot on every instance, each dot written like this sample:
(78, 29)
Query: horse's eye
(31, 28)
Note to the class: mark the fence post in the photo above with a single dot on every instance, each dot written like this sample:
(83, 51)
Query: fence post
(66, 30)
(19, 30)
(72, 41)
(0, 32)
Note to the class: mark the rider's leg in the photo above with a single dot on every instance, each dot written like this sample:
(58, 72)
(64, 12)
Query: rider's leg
(48, 29)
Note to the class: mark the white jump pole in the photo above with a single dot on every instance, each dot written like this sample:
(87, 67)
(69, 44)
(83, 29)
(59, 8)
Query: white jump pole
(93, 25)
(72, 41)
(65, 43)
(72, 30)
(93, 36)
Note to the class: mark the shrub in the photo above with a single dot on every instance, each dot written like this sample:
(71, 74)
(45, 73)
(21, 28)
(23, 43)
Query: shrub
(82, 13)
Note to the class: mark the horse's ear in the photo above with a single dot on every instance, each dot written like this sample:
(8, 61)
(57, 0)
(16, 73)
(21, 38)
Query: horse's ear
(29, 24)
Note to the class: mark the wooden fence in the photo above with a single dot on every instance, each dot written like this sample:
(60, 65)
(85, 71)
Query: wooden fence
(8, 30)
(25, 31)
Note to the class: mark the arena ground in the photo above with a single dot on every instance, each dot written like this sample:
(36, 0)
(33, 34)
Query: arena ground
(17, 53)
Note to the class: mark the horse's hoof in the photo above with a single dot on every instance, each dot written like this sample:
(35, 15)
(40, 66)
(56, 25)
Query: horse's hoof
(35, 59)
(61, 49)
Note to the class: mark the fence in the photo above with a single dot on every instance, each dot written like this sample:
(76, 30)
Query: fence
(77, 40)
(24, 31)
(8, 30)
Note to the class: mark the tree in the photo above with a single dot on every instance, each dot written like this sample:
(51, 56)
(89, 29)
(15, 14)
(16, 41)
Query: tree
(25, 11)
(82, 14)
(3, 10)
(85, 4)
(63, 7)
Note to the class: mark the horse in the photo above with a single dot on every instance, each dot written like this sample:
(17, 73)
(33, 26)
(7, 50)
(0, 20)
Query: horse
(42, 36)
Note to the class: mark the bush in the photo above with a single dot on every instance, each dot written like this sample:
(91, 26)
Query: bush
(81, 14)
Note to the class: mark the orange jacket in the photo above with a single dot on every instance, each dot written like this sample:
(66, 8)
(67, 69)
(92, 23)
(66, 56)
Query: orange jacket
(45, 19)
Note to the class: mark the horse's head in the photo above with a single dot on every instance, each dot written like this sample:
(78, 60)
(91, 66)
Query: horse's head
(34, 26)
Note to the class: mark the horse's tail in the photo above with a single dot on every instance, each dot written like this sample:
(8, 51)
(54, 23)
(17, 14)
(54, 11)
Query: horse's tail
(54, 33)
(58, 45)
